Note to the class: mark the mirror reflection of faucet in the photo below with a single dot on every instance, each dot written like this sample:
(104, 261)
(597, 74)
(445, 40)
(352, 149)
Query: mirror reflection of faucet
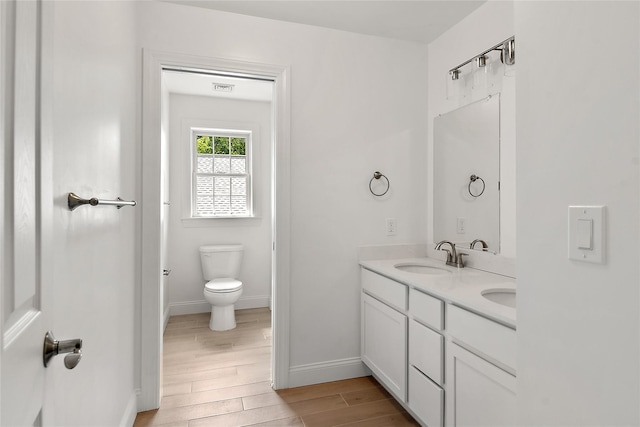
(484, 248)
(454, 258)
(484, 244)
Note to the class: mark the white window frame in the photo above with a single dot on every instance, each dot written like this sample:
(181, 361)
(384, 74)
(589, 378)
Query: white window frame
(248, 134)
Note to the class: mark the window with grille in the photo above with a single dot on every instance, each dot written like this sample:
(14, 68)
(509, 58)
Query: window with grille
(221, 173)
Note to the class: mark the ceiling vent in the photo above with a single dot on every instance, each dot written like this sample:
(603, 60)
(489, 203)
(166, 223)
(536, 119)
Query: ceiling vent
(221, 87)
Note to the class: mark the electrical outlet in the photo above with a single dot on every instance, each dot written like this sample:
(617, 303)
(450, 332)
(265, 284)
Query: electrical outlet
(461, 227)
(392, 226)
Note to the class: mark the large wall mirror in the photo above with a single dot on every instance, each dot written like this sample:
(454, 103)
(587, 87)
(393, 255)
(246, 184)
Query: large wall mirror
(467, 175)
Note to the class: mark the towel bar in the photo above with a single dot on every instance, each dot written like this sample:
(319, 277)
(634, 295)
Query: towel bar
(75, 201)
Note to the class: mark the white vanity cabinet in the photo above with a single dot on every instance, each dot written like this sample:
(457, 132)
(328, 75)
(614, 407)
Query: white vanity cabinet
(444, 363)
(479, 392)
(384, 331)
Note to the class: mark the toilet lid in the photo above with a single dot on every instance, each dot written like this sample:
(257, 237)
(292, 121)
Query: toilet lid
(223, 285)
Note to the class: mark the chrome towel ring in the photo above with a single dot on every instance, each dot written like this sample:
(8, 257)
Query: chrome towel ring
(378, 175)
(472, 179)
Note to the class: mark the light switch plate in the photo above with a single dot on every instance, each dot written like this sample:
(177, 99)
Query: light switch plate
(586, 233)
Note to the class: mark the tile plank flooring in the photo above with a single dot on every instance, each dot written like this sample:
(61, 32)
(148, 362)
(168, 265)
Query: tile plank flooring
(223, 379)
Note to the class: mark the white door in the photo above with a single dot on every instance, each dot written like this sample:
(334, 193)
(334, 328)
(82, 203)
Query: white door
(25, 214)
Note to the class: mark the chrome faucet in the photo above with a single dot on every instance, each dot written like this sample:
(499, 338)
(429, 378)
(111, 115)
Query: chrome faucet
(454, 258)
(484, 244)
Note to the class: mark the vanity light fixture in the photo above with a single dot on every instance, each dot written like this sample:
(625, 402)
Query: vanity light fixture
(507, 50)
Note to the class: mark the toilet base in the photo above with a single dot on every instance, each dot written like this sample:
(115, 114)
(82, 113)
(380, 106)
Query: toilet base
(223, 318)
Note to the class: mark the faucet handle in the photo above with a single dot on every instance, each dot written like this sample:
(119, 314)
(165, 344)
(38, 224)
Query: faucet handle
(459, 260)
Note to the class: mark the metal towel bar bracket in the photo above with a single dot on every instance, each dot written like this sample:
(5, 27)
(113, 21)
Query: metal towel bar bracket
(75, 201)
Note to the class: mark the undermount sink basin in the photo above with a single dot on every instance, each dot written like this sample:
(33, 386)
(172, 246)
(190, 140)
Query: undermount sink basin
(421, 269)
(506, 297)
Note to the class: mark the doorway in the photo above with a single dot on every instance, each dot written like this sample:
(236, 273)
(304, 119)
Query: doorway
(151, 320)
(216, 183)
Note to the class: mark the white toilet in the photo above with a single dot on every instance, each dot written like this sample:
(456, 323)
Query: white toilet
(220, 267)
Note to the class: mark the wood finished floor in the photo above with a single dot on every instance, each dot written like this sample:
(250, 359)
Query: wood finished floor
(223, 379)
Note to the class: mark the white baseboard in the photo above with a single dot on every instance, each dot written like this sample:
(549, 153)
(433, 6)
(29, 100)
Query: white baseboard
(130, 412)
(253, 302)
(334, 370)
(188, 307)
(193, 307)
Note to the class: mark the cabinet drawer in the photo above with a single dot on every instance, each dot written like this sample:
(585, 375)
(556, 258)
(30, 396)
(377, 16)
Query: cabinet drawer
(427, 309)
(388, 290)
(426, 399)
(426, 351)
(491, 338)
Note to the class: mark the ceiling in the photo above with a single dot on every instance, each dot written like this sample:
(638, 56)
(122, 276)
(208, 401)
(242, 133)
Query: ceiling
(417, 20)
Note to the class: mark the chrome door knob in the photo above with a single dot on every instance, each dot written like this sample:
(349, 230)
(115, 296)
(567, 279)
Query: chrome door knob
(53, 347)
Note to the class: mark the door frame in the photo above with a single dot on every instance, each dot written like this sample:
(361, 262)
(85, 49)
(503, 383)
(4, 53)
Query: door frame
(149, 317)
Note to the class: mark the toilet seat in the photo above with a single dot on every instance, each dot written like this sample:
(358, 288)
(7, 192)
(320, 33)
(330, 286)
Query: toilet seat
(223, 285)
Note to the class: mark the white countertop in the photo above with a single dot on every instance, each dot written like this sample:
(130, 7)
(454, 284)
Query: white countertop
(462, 287)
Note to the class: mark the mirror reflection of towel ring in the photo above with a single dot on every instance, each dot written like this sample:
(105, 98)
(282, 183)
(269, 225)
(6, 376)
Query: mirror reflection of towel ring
(472, 179)
(378, 175)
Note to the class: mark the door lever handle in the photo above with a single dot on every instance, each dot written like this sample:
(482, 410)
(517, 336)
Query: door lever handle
(72, 359)
(53, 347)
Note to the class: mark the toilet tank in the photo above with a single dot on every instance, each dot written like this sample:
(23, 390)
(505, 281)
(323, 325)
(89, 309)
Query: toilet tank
(220, 261)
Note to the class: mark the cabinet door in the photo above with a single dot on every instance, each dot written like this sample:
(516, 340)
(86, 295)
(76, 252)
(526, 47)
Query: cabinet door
(480, 394)
(384, 344)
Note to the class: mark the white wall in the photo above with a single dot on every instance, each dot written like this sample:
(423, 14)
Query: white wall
(358, 105)
(578, 133)
(486, 26)
(95, 145)
(186, 235)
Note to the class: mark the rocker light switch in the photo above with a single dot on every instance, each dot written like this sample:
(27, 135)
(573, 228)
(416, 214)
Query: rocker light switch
(584, 236)
(586, 233)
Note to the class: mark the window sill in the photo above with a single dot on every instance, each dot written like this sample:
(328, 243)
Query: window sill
(238, 221)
